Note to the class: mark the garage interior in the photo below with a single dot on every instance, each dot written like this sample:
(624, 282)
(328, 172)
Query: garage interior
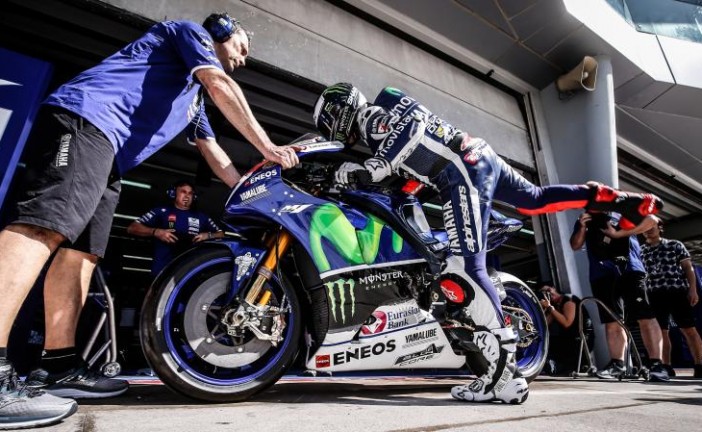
(75, 35)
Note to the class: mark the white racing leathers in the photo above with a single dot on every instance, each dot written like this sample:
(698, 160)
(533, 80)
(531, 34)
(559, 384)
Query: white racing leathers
(407, 138)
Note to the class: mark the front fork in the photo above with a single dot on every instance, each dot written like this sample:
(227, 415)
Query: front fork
(277, 246)
(254, 312)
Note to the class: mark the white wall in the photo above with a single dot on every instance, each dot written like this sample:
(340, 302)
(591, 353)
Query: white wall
(321, 42)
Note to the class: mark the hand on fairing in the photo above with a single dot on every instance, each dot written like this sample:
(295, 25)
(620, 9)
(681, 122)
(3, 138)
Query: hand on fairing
(285, 156)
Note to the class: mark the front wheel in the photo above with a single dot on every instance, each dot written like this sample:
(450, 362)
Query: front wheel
(522, 310)
(194, 352)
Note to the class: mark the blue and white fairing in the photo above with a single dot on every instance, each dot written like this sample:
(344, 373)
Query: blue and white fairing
(263, 198)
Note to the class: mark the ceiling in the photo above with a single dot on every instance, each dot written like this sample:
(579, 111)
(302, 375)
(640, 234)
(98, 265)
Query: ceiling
(535, 40)
(658, 123)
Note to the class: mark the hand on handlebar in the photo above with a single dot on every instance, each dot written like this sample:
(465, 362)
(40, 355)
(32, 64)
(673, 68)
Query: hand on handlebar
(285, 156)
(343, 174)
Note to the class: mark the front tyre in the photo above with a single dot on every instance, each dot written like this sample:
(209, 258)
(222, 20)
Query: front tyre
(189, 348)
(523, 311)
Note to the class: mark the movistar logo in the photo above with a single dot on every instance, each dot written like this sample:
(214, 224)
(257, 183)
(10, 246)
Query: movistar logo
(337, 291)
(355, 246)
(393, 91)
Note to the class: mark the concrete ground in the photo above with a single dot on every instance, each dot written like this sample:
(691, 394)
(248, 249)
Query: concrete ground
(407, 405)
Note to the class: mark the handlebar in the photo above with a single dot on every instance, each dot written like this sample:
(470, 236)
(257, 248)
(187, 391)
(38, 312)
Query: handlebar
(360, 177)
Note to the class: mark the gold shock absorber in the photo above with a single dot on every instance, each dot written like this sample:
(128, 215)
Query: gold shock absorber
(277, 246)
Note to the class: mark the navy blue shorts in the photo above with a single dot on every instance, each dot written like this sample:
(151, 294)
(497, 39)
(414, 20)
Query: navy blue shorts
(72, 186)
(675, 303)
(620, 293)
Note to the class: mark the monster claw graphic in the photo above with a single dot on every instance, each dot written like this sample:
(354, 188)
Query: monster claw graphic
(342, 285)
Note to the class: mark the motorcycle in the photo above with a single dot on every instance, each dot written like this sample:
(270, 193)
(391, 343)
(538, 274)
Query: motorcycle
(342, 280)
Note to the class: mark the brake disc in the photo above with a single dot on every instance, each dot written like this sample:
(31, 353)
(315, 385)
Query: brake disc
(523, 324)
(206, 339)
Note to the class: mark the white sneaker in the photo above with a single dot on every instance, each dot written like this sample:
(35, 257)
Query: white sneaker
(515, 391)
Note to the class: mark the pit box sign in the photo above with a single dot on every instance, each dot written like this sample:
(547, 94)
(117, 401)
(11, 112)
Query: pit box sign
(23, 82)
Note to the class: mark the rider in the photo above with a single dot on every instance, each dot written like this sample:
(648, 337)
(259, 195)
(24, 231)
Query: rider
(406, 137)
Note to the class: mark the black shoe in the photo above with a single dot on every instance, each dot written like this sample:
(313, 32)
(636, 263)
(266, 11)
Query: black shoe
(78, 383)
(668, 368)
(24, 407)
(658, 373)
(611, 371)
(698, 371)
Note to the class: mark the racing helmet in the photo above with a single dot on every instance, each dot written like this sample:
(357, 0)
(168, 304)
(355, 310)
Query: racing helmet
(335, 111)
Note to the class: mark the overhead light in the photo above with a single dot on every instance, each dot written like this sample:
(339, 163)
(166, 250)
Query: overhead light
(134, 269)
(128, 217)
(136, 184)
(138, 257)
(526, 231)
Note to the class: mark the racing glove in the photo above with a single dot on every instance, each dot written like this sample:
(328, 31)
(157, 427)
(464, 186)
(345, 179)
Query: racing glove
(341, 176)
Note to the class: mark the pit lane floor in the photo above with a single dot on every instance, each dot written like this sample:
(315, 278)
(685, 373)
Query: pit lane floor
(407, 405)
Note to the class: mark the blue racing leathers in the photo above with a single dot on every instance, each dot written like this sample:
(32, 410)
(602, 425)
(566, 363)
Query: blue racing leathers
(406, 138)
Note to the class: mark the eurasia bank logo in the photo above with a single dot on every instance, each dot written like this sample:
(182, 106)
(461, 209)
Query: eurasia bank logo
(5, 114)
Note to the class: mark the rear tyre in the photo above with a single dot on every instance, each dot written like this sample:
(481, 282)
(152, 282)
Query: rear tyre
(532, 348)
(189, 348)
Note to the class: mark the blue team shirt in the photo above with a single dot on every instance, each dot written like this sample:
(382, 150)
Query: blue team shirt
(186, 223)
(144, 95)
(600, 266)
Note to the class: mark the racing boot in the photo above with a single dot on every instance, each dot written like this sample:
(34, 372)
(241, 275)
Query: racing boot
(632, 206)
(499, 379)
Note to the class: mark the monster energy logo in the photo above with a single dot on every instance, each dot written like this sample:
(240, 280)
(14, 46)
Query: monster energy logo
(336, 89)
(340, 287)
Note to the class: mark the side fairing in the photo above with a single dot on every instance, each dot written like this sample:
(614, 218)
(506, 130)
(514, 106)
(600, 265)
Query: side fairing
(337, 237)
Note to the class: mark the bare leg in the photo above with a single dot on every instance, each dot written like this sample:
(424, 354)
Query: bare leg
(694, 342)
(65, 290)
(665, 354)
(652, 338)
(24, 249)
(616, 340)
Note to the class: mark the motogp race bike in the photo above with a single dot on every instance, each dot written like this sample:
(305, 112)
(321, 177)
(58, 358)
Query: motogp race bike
(331, 280)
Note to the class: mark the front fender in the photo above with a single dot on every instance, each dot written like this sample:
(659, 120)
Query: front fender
(246, 258)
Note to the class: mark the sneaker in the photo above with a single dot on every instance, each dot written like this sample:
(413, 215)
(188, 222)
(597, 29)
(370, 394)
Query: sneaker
(658, 373)
(515, 392)
(671, 372)
(611, 371)
(24, 407)
(78, 383)
(698, 371)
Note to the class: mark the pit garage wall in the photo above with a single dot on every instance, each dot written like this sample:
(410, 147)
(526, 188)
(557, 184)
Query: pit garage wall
(580, 146)
(323, 43)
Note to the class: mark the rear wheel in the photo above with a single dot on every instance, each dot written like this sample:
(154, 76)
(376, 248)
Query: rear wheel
(194, 352)
(523, 311)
